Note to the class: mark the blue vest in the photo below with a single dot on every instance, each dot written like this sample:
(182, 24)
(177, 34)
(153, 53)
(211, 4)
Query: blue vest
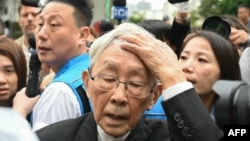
(156, 112)
(71, 74)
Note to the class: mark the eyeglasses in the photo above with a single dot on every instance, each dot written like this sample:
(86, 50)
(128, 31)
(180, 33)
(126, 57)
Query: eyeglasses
(108, 82)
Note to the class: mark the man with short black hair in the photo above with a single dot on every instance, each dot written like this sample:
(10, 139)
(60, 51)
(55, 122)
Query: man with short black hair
(61, 36)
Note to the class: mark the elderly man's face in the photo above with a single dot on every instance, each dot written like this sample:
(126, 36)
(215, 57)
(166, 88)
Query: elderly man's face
(116, 111)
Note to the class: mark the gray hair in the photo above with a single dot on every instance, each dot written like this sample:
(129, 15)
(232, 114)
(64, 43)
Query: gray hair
(112, 37)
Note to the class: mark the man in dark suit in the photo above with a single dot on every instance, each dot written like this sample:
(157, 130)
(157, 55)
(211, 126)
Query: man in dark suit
(129, 70)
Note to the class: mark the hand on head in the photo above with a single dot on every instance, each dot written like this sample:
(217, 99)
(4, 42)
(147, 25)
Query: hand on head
(157, 56)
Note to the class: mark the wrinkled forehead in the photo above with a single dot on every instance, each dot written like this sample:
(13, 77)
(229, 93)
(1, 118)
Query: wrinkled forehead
(113, 51)
(121, 61)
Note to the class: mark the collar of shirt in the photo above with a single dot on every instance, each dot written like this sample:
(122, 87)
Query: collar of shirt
(102, 136)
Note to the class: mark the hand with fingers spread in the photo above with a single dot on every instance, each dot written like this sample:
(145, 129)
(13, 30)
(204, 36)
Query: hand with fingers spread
(157, 56)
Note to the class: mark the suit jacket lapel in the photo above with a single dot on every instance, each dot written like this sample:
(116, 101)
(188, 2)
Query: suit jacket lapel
(88, 129)
(140, 132)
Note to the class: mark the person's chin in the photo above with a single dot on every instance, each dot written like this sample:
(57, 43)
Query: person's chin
(115, 132)
(114, 126)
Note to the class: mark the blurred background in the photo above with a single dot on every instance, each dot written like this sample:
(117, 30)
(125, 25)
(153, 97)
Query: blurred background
(137, 10)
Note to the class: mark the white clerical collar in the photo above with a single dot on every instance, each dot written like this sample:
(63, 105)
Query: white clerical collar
(102, 136)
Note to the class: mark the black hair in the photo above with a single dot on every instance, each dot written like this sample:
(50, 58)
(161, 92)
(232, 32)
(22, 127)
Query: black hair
(158, 28)
(234, 22)
(226, 55)
(243, 6)
(83, 10)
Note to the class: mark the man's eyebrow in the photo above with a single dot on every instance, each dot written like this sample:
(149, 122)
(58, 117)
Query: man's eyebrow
(57, 16)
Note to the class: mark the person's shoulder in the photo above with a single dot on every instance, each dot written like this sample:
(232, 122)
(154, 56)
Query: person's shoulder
(244, 59)
(59, 91)
(61, 125)
(19, 40)
(62, 129)
(57, 86)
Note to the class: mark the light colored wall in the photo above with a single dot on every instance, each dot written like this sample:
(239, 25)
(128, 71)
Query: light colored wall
(11, 6)
(99, 10)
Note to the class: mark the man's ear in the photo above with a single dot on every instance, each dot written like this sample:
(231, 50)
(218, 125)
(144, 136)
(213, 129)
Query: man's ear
(84, 33)
(156, 94)
(85, 78)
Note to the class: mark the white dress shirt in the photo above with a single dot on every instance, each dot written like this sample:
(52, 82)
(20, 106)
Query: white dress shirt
(55, 105)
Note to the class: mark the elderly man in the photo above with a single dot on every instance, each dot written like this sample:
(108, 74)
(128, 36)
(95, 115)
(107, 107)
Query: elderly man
(122, 82)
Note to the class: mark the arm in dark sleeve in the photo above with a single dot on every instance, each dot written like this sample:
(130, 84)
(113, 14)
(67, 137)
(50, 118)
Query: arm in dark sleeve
(189, 120)
(179, 32)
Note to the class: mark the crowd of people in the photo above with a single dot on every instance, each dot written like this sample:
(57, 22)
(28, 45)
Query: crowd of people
(147, 81)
